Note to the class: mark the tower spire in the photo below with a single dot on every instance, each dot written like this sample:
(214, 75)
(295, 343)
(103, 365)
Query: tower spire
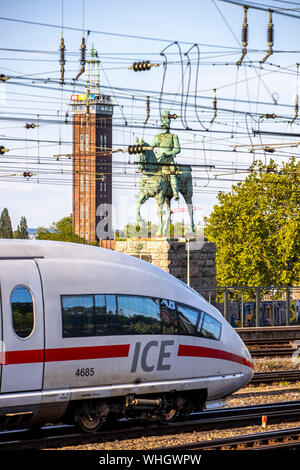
(92, 74)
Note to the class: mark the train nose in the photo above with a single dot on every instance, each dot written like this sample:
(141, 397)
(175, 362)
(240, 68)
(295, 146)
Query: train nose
(246, 362)
(247, 376)
(248, 367)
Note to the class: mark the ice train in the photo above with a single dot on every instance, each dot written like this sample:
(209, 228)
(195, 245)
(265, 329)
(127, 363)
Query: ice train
(88, 334)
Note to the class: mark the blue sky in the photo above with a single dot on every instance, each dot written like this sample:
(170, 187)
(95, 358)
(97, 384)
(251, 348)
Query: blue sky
(205, 22)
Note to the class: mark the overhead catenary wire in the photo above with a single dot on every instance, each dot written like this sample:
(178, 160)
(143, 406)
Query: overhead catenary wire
(182, 101)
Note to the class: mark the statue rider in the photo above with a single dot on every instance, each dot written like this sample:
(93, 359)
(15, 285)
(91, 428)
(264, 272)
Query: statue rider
(167, 146)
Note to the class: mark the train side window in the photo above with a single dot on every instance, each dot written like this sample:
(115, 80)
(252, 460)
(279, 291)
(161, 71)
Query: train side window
(100, 315)
(138, 315)
(211, 328)
(22, 311)
(111, 313)
(188, 320)
(78, 315)
(169, 319)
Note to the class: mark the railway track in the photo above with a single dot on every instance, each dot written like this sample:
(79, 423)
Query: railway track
(271, 352)
(52, 437)
(270, 440)
(268, 342)
(276, 376)
(273, 347)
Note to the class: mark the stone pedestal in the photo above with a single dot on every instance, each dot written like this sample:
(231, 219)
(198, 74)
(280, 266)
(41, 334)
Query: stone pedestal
(174, 257)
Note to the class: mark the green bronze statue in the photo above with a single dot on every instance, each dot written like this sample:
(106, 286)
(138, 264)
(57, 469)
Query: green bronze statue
(161, 177)
(167, 147)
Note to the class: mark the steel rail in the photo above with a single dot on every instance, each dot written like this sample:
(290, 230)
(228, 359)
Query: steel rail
(267, 342)
(268, 440)
(280, 375)
(59, 436)
(281, 352)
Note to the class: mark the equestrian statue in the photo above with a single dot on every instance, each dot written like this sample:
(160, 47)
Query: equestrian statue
(161, 177)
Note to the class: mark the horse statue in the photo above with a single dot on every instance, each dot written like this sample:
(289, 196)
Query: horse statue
(156, 183)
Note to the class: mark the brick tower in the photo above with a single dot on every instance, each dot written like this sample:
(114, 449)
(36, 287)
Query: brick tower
(92, 158)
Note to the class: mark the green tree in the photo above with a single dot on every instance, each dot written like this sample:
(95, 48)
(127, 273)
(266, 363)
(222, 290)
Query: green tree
(139, 230)
(22, 231)
(257, 228)
(60, 231)
(149, 230)
(5, 225)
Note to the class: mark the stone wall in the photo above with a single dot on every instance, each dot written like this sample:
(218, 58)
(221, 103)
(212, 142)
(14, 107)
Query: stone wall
(172, 256)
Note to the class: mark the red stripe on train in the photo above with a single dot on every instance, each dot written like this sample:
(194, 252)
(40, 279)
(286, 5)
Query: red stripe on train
(23, 357)
(66, 354)
(110, 351)
(90, 352)
(200, 351)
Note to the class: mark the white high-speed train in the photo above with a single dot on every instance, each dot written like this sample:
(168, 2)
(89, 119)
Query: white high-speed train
(88, 334)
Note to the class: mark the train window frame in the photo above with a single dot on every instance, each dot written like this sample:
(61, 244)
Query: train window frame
(97, 323)
(200, 316)
(23, 338)
(215, 320)
(111, 318)
(198, 326)
(172, 323)
(140, 297)
(62, 315)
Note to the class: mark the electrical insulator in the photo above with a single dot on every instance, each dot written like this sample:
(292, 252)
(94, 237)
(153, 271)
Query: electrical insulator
(82, 59)
(214, 106)
(147, 110)
(270, 30)
(62, 61)
(27, 174)
(31, 126)
(244, 36)
(3, 150)
(142, 66)
(3, 78)
(132, 149)
(83, 48)
(173, 116)
(270, 37)
(269, 116)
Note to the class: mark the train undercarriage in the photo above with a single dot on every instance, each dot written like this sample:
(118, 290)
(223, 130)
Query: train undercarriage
(90, 415)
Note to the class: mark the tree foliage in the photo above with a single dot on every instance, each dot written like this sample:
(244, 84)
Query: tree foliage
(147, 229)
(60, 231)
(22, 231)
(257, 228)
(5, 225)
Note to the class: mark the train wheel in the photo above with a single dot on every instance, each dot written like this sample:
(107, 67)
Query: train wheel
(89, 423)
(169, 417)
(88, 419)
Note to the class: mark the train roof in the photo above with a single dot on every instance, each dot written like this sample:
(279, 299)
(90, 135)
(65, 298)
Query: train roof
(130, 268)
(46, 249)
